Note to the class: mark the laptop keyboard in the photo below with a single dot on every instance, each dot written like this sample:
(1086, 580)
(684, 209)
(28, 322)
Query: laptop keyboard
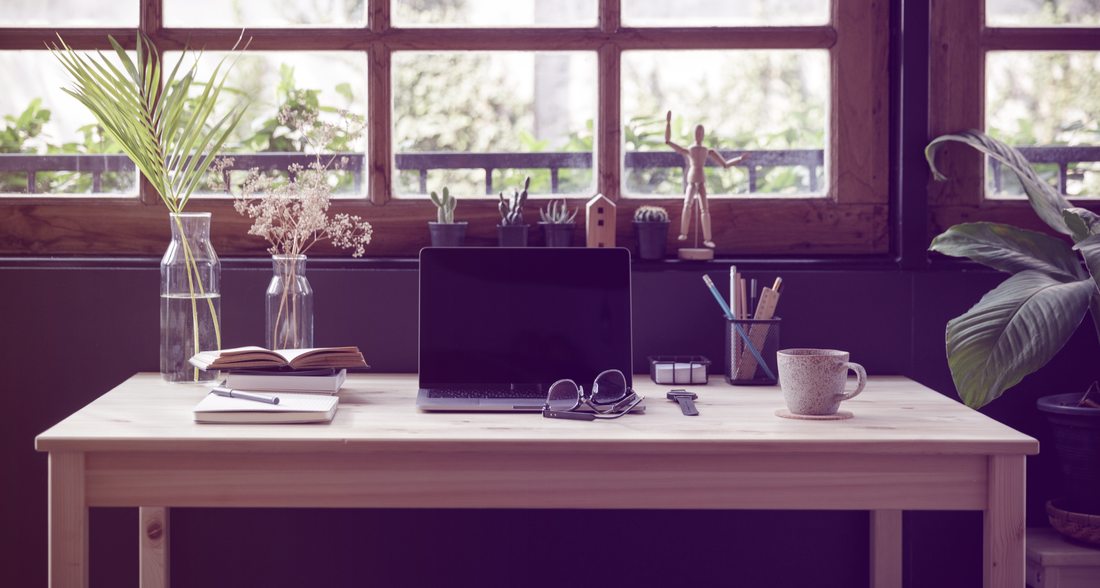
(488, 392)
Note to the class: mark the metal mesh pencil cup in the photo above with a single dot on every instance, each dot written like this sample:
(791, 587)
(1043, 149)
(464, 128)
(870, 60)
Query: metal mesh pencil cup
(743, 362)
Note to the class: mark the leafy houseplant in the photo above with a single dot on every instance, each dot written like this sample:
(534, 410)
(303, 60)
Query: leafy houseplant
(445, 231)
(1017, 327)
(166, 125)
(512, 231)
(651, 231)
(557, 223)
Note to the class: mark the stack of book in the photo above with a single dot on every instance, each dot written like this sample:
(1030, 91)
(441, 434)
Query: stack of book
(275, 386)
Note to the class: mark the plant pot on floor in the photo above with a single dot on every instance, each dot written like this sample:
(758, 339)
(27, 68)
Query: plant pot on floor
(558, 234)
(652, 238)
(1076, 432)
(448, 234)
(512, 235)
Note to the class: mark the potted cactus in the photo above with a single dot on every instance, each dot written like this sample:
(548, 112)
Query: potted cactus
(512, 231)
(557, 223)
(651, 231)
(445, 231)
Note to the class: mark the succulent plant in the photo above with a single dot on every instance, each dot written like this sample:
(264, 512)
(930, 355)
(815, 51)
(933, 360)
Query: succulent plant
(651, 214)
(557, 213)
(446, 205)
(511, 209)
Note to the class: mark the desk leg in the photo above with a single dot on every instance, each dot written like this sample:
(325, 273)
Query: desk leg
(1004, 523)
(68, 520)
(153, 546)
(886, 554)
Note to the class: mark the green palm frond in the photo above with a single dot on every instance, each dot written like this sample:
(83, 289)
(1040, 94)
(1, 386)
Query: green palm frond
(172, 135)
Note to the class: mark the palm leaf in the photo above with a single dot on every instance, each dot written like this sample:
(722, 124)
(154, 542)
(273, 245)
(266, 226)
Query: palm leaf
(172, 147)
(1044, 198)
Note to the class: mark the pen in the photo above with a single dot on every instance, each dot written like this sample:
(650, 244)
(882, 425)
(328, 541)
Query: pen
(752, 298)
(246, 396)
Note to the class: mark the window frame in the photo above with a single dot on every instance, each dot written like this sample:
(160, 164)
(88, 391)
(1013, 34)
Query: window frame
(959, 43)
(851, 218)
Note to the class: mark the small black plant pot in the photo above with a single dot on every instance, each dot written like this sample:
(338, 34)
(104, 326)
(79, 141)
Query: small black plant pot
(448, 234)
(1076, 432)
(652, 239)
(558, 234)
(512, 235)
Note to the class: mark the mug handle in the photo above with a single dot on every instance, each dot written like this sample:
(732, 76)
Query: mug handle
(861, 380)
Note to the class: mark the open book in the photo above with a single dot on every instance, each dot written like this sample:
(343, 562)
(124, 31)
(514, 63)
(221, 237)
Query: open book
(292, 408)
(298, 359)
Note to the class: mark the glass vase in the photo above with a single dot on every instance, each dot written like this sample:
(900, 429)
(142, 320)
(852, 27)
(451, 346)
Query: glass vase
(190, 298)
(289, 304)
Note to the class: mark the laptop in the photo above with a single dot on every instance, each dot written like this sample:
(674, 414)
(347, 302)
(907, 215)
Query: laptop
(499, 325)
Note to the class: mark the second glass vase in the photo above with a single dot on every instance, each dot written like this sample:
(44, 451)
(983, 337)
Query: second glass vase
(289, 304)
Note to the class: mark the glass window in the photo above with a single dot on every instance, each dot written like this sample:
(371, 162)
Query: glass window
(328, 83)
(494, 13)
(1046, 102)
(68, 13)
(773, 105)
(725, 13)
(1042, 13)
(50, 143)
(264, 13)
(478, 122)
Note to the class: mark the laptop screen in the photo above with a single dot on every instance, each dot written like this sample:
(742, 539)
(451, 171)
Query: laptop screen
(523, 316)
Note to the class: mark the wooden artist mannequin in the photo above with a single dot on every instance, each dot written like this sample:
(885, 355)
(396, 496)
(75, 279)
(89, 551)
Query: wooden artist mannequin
(696, 156)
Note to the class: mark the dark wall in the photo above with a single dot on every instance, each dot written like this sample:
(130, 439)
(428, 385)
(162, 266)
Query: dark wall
(74, 330)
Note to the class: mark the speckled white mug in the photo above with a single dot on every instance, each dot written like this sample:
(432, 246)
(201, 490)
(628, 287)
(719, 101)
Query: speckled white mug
(813, 380)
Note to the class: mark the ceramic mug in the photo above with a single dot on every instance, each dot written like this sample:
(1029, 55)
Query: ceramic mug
(813, 380)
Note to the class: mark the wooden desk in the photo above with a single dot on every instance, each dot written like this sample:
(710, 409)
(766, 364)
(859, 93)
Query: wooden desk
(907, 448)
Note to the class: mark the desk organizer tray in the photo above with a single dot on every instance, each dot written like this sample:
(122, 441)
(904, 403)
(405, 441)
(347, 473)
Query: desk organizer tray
(678, 369)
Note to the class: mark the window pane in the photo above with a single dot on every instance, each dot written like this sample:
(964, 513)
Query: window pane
(1049, 102)
(770, 104)
(264, 13)
(494, 13)
(68, 13)
(711, 13)
(49, 142)
(328, 83)
(1042, 13)
(458, 116)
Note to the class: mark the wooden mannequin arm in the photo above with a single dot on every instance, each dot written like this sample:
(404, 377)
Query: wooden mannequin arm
(717, 158)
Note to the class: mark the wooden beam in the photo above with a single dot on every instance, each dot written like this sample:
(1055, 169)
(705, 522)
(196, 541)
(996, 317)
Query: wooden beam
(1041, 39)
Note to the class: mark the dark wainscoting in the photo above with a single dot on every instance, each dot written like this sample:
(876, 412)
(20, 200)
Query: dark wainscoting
(72, 330)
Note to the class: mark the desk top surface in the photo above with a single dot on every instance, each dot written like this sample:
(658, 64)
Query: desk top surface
(377, 412)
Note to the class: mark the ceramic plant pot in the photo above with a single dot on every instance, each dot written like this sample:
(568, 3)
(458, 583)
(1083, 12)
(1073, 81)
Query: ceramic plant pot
(558, 234)
(652, 239)
(448, 234)
(512, 235)
(1076, 432)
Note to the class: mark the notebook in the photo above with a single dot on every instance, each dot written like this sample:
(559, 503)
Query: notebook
(292, 408)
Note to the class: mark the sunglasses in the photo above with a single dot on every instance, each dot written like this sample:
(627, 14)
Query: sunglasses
(610, 398)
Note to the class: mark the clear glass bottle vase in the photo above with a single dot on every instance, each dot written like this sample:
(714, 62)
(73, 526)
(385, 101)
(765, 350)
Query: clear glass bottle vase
(289, 304)
(190, 298)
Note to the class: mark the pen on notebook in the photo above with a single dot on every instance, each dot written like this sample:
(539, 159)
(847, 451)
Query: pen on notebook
(718, 297)
(228, 393)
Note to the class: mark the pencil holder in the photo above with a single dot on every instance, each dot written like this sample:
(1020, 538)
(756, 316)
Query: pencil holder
(751, 345)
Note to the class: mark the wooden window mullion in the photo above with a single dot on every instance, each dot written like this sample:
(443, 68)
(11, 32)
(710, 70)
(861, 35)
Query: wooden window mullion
(379, 105)
(609, 111)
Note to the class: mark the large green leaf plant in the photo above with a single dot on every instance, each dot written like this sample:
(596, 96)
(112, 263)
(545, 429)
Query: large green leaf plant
(166, 124)
(1017, 327)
